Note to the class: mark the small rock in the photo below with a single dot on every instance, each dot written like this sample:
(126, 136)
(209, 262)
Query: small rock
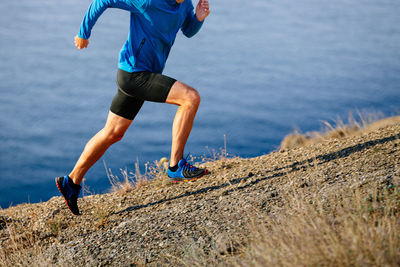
(304, 185)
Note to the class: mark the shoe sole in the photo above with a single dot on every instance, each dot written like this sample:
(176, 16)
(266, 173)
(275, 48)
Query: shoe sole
(188, 180)
(66, 202)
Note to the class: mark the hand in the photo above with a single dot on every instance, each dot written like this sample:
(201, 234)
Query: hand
(202, 10)
(81, 43)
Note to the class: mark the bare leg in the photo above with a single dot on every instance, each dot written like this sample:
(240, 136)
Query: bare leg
(188, 100)
(112, 132)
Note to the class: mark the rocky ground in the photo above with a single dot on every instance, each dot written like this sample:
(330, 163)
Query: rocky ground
(158, 223)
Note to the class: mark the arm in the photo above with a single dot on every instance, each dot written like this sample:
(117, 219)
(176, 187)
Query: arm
(96, 8)
(194, 21)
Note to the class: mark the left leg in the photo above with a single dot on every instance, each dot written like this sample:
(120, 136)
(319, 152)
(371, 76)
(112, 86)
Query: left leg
(112, 132)
(188, 100)
(156, 87)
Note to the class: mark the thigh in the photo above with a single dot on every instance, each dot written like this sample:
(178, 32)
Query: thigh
(126, 106)
(145, 85)
(181, 93)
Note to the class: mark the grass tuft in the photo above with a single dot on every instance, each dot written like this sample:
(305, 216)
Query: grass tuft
(356, 125)
(132, 180)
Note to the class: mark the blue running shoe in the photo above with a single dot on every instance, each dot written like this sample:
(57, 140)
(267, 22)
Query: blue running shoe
(70, 193)
(185, 172)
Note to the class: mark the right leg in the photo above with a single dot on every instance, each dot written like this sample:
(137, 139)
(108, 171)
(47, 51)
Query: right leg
(112, 132)
(188, 100)
(122, 112)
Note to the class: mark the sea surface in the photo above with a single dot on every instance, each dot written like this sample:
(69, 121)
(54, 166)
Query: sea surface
(263, 69)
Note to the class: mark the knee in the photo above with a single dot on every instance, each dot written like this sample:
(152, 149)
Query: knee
(113, 135)
(193, 98)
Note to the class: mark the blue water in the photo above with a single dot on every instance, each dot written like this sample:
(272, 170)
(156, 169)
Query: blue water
(262, 68)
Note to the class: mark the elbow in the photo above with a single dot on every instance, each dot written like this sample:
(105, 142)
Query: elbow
(189, 34)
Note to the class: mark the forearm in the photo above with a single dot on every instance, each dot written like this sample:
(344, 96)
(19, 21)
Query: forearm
(97, 7)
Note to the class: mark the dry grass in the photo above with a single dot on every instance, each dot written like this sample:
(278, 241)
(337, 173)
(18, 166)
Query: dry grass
(155, 171)
(360, 229)
(215, 155)
(354, 231)
(20, 244)
(355, 125)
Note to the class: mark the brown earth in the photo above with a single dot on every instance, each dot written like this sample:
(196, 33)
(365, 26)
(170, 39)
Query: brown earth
(158, 223)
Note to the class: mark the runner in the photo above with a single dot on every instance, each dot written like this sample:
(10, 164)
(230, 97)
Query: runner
(153, 28)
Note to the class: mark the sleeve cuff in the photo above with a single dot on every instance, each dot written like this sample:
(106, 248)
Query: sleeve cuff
(83, 36)
(196, 21)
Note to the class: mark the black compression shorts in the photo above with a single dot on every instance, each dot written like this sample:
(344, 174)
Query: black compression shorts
(137, 87)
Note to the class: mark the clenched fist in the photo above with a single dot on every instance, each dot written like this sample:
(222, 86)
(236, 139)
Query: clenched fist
(81, 43)
(202, 10)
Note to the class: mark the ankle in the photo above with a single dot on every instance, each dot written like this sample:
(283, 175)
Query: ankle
(72, 184)
(73, 180)
(173, 168)
(173, 162)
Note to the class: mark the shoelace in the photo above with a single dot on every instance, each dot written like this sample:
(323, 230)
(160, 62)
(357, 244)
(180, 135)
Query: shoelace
(189, 167)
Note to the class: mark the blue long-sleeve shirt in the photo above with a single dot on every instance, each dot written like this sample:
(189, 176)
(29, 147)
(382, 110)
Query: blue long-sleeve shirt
(153, 28)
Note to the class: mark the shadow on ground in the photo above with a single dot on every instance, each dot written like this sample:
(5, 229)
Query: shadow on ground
(298, 165)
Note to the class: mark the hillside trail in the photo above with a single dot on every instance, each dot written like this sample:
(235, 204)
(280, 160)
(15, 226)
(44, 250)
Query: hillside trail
(155, 223)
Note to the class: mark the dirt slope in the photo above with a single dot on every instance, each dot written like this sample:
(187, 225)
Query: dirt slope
(156, 223)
